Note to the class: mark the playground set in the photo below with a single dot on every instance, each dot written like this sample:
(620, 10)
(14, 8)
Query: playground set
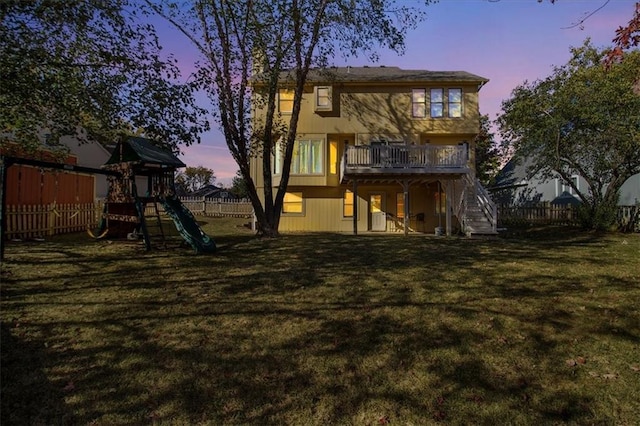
(140, 176)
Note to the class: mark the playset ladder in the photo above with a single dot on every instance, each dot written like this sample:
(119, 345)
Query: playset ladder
(151, 223)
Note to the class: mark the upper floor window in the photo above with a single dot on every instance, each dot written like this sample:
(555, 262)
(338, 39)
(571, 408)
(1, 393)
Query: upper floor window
(307, 158)
(442, 103)
(437, 103)
(323, 98)
(455, 103)
(285, 101)
(419, 103)
(564, 186)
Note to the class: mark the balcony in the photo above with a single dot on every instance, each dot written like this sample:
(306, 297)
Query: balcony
(404, 160)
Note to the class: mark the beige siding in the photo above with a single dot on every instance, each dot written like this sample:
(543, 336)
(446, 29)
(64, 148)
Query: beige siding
(359, 114)
(323, 209)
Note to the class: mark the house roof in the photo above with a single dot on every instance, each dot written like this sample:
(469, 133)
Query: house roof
(205, 191)
(141, 150)
(383, 74)
(515, 173)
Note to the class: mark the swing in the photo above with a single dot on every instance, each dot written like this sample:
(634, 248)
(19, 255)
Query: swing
(104, 222)
(77, 197)
(103, 228)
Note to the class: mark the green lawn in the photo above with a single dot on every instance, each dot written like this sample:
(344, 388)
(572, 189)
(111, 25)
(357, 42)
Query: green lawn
(531, 328)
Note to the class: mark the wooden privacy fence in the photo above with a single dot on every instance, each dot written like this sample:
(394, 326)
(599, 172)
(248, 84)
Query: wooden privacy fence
(37, 221)
(627, 218)
(539, 214)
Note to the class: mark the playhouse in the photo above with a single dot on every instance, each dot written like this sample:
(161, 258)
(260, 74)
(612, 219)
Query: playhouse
(142, 179)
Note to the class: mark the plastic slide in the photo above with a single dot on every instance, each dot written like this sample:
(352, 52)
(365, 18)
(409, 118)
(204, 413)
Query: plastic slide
(187, 225)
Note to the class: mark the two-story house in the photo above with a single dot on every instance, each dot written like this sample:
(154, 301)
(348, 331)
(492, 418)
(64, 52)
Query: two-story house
(383, 149)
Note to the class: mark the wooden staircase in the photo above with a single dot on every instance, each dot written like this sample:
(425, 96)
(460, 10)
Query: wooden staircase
(480, 215)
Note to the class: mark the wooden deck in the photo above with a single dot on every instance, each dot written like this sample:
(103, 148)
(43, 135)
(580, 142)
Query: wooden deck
(404, 160)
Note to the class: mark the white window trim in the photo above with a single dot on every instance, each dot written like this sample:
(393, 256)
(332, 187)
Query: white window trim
(316, 98)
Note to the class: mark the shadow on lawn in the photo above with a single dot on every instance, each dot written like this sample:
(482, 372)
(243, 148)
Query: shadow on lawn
(28, 397)
(266, 338)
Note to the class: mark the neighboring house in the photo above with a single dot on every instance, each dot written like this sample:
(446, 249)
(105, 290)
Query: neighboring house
(383, 149)
(211, 191)
(519, 183)
(90, 154)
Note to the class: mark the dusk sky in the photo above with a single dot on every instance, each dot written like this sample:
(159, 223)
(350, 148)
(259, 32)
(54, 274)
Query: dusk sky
(506, 41)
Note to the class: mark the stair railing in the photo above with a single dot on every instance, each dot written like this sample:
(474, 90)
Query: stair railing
(489, 208)
(461, 209)
(485, 202)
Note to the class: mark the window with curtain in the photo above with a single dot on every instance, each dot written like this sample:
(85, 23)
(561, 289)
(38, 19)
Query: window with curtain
(307, 158)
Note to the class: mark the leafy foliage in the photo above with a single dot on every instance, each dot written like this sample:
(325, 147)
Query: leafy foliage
(487, 153)
(580, 121)
(239, 186)
(194, 178)
(247, 45)
(89, 68)
(627, 36)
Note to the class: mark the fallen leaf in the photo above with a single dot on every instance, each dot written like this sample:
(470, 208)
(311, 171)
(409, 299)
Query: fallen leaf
(610, 376)
(69, 387)
(384, 420)
(571, 362)
(581, 360)
(635, 368)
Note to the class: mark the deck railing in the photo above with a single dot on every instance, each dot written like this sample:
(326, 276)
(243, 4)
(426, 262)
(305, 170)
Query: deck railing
(405, 156)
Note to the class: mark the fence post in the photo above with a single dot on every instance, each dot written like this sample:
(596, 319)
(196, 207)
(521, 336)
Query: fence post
(51, 219)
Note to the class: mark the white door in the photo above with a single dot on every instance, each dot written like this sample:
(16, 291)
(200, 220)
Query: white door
(376, 212)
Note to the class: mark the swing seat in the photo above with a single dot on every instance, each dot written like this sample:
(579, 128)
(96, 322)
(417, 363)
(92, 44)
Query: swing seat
(100, 235)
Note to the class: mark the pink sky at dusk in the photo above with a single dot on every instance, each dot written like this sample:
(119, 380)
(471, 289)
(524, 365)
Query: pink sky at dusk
(507, 41)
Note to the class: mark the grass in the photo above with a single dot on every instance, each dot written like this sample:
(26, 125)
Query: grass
(536, 327)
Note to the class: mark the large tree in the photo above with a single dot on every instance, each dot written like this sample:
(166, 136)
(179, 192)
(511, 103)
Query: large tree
(487, 153)
(581, 120)
(193, 178)
(88, 68)
(247, 44)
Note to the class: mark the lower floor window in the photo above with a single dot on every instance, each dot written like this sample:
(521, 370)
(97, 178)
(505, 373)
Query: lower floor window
(440, 202)
(292, 202)
(347, 204)
(400, 205)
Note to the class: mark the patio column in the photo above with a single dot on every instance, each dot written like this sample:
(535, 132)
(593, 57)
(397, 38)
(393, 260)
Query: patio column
(448, 196)
(405, 188)
(4, 164)
(355, 207)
